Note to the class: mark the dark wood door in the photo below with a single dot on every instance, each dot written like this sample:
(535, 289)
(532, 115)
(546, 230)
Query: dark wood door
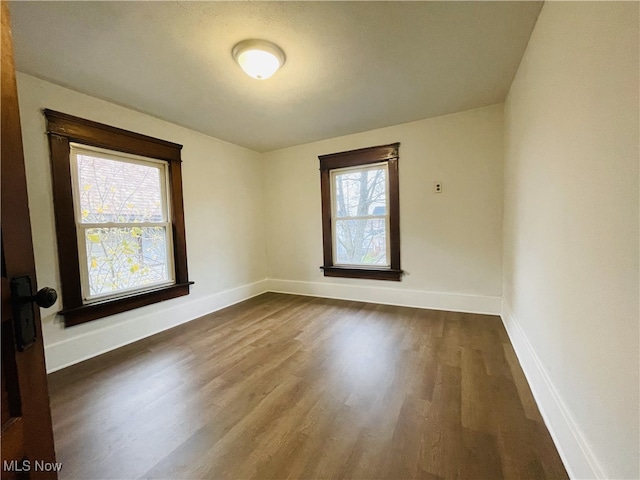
(26, 438)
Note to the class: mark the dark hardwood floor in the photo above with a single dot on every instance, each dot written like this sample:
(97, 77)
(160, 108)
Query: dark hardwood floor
(283, 386)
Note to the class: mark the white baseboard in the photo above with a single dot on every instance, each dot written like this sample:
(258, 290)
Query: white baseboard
(91, 344)
(82, 347)
(576, 454)
(573, 448)
(73, 350)
(391, 296)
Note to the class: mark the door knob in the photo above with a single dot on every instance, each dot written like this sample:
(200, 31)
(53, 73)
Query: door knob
(45, 297)
(23, 312)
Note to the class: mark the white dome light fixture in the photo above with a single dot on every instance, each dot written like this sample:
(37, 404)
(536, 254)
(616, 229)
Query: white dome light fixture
(259, 59)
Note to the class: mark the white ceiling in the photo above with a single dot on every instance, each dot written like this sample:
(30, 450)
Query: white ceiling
(351, 66)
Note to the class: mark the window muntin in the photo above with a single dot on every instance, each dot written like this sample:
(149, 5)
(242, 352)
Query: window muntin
(122, 215)
(360, 218)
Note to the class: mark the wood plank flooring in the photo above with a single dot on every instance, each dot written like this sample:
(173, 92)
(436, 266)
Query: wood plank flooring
(283, 386)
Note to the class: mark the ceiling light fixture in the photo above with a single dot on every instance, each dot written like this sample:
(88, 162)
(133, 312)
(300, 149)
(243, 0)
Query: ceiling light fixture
(258, 58)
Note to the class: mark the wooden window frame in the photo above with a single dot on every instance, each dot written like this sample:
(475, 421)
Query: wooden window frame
(64, 129)
(359, 158)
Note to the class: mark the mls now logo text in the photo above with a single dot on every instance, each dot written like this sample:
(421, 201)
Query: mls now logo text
(27, 466)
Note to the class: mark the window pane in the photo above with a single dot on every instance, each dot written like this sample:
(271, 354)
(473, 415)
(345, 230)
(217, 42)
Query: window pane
(126, 258)
(114, 191)
(360, 193)
(361, 242)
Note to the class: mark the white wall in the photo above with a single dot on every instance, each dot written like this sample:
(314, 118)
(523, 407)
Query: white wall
(223, 212)
(570, 224)
(571, 230)
(451, 243)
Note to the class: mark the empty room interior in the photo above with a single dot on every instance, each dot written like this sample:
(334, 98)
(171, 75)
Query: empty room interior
(358, 240)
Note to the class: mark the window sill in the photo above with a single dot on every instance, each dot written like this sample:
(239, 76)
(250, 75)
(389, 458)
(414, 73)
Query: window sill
(366, 273)
(86, 313)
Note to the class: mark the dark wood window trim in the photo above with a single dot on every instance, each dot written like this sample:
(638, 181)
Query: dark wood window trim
(354, 158)
(63, 129)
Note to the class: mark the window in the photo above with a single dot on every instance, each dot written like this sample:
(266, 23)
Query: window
(119, 218)
(122, 222)
(359, 216)
(360, 213)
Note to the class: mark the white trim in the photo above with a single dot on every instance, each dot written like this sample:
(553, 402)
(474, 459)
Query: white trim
(574, 450)
(74, 350)
(82, 347)
(456, 302)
